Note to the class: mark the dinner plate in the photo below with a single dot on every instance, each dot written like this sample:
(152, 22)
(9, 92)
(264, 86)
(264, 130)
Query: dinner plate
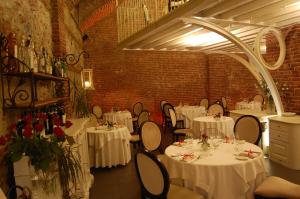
(239, 157)
(241, 141)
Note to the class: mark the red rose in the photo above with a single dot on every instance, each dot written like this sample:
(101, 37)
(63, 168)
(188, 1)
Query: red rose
(28, 119)
(27, 131)
(8, 137)
(58, 132)
(2, 140)
(12, 127)
(57, 121)
(68, 124)
(38, 127)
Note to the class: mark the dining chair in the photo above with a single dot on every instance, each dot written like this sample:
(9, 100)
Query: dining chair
(151, 138)
(258, 98)
(178, 131)
(277, 188)
(97, 112)
(224, 104)
(135, 137)
(204, 102)
(154, 180)
(248, 127)
(137, 109)
(215, 109)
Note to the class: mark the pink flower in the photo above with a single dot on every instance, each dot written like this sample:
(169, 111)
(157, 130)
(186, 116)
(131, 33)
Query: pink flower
(28, 119)
(58, 132)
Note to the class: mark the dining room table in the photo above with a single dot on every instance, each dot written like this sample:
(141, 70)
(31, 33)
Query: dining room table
(188, 113)
(224, 170)
(222, 125)
(120, 117)
(108, 146)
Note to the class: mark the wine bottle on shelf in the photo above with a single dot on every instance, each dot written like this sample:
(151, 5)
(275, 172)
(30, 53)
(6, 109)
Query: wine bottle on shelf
(62, 114)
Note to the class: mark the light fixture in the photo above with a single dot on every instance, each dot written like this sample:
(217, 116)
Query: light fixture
(87, 78)
(203, 39)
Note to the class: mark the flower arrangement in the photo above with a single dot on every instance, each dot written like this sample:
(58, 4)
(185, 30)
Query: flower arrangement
(205, 143)
(47, 154)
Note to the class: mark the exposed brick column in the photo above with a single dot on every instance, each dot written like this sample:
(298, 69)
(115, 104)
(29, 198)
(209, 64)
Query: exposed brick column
(58, 28)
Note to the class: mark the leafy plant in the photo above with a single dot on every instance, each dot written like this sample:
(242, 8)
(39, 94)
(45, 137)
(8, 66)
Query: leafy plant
(48, 154)
(80, 104)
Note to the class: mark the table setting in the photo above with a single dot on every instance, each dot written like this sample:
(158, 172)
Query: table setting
(216, 167)
(109, 145)
(252, 105)
(188, 113)
(119, 117)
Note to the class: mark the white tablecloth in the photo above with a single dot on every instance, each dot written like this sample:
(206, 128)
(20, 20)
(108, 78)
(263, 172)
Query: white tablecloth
(248, 105)
(108, 147)
(188, 113)
(222, 125)
(217, 174)
(120, 117)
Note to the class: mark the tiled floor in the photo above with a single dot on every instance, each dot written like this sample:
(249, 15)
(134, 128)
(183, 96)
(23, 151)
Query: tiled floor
(122, 183)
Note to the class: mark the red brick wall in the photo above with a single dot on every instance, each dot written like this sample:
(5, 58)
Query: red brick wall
(123, 78)
(229, 78)
(288, 75)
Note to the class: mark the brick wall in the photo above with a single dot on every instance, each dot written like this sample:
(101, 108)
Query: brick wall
(230, 79)
(123, 78)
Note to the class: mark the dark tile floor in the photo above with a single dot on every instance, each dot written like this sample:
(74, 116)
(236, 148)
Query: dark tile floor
(121, 182)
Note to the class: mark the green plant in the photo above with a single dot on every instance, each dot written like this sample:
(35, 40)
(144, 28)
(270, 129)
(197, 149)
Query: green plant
(80, 105)
(47, 155)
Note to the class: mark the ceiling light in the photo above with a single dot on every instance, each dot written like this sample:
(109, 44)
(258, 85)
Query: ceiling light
(293, 4)
(201, 39)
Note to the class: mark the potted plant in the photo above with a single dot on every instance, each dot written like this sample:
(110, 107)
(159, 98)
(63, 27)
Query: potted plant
(48, 155)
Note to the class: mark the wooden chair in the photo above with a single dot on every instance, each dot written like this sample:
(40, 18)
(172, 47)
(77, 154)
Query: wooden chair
(277, 188)
(204, 102)
(248, 127)
(215, 109)
(224, 104)
(154, 180)
(137, 109)
(135, 137)
(259, 98)
(178, 131)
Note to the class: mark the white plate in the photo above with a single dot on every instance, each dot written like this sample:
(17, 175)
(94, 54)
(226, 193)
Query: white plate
(288, 114)
(239, 157)
(241, 141)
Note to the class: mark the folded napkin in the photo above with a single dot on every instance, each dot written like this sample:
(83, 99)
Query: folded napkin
(188, 157)
(250, 154)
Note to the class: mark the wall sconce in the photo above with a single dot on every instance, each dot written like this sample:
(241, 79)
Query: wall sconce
(87, 78)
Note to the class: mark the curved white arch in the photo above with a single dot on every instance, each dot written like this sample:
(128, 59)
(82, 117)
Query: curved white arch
(248, 65)
(251, 55)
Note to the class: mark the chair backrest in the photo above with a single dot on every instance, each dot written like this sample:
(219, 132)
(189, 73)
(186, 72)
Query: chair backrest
(204, 102)
(152, 175)
(248, 127)
(258, 98)
(215, 109)
(173, 117)
(143, 117)
(97, 111)
(224, 102)
(166, 108)
(151, 136)
(162, 103)
(137, 108)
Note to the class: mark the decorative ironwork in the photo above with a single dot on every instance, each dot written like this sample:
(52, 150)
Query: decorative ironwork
(15, 94)
(71, 59)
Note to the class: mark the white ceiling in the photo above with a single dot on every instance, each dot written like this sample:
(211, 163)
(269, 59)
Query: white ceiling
(243, 18)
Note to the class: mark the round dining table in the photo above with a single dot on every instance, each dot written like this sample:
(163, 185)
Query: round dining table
(223, 125)
(188, 113)
(217, 173)
(120, 117)
(108, 146)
